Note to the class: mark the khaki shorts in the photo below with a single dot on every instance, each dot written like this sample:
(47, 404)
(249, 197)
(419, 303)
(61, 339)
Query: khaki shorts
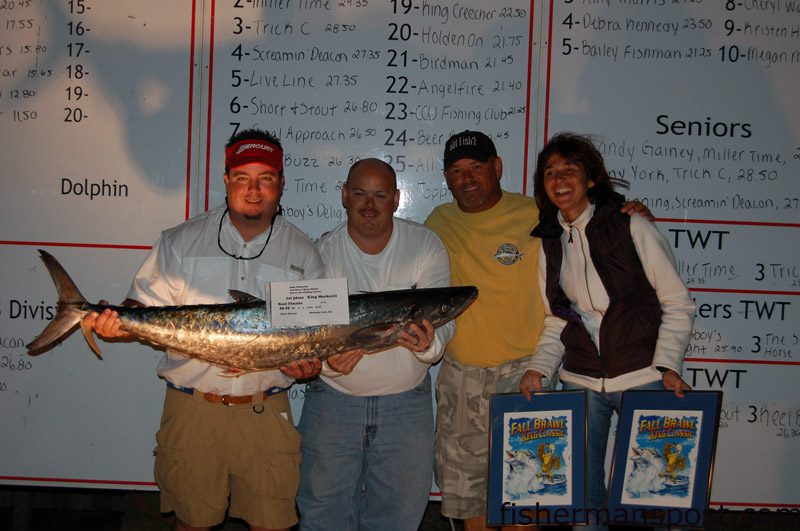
(463, 396)
(207, 452)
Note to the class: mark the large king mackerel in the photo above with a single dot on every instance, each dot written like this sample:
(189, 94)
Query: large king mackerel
(239, 334)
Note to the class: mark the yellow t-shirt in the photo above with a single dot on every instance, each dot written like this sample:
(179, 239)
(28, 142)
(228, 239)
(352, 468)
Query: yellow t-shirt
(494, 251)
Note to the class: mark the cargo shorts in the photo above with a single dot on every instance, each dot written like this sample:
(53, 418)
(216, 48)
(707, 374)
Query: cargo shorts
(207, 452)
(463, 394)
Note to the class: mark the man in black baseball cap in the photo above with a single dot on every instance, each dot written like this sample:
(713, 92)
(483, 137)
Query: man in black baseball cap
(486, 231)
(473, 171)
(468, 144)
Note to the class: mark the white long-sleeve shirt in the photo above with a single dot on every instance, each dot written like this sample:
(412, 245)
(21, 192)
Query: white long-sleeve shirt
(186, 266)
(582, 285)
(414, 257)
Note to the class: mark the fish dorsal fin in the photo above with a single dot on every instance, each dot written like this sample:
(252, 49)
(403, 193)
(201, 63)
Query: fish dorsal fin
(242, 297)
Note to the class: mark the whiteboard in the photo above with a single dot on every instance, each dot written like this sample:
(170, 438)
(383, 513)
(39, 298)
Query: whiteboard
(96, 107)
(114, 116)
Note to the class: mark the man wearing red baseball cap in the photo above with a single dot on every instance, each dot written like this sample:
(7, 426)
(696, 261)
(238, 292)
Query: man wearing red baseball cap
(227, 442)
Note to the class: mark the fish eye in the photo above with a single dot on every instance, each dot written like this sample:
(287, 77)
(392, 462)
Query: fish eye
(445, 307)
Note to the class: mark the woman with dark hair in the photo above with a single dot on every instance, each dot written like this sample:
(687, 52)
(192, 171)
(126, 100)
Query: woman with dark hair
(618, 316)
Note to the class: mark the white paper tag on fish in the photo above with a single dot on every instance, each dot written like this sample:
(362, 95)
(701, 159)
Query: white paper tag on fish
(309, 302)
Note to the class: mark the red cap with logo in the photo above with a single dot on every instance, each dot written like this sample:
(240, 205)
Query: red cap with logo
(253, 150)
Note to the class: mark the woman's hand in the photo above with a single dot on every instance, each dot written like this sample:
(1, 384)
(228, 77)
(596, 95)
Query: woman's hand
(673, 382)
(531, 382)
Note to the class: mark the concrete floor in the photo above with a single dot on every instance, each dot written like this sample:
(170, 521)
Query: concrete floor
(82, 510)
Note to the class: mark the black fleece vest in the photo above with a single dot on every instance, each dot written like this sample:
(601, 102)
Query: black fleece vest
(629, 329)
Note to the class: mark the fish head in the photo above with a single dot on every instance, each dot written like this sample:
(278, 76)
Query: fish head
(441, 305)
(380, 317)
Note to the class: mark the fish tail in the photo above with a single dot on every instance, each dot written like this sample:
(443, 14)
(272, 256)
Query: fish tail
(69, 312)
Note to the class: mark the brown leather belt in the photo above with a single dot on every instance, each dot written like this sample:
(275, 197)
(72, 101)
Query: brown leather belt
(232, 400)
(228, 400)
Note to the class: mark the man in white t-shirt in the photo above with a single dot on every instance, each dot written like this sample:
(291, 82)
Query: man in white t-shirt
(367, 422)
(225, 437)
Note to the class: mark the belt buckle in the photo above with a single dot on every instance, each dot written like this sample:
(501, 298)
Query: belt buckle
(225, 400)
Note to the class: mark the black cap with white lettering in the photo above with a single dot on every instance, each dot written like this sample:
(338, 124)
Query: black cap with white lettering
(468, 145)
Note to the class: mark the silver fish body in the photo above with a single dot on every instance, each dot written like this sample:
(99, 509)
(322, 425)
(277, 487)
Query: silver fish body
(239, 334)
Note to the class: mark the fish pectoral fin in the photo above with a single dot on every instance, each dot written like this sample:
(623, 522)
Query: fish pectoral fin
(378, 331)
(244, 298)
(87, 333)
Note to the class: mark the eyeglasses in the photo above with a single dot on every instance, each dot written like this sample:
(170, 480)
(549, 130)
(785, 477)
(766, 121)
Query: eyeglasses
(219, 236)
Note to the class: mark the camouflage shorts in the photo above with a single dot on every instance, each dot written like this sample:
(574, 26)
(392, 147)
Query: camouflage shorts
(462, 431)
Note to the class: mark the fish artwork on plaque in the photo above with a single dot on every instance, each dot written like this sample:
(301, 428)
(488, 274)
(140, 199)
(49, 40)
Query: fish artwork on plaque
(537, 457)
(662, 460)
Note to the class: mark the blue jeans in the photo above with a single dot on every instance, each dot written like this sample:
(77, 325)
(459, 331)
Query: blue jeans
(599, 408)
(367, 461)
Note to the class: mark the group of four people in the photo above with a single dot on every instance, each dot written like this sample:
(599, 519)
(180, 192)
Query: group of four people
(612, 309)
